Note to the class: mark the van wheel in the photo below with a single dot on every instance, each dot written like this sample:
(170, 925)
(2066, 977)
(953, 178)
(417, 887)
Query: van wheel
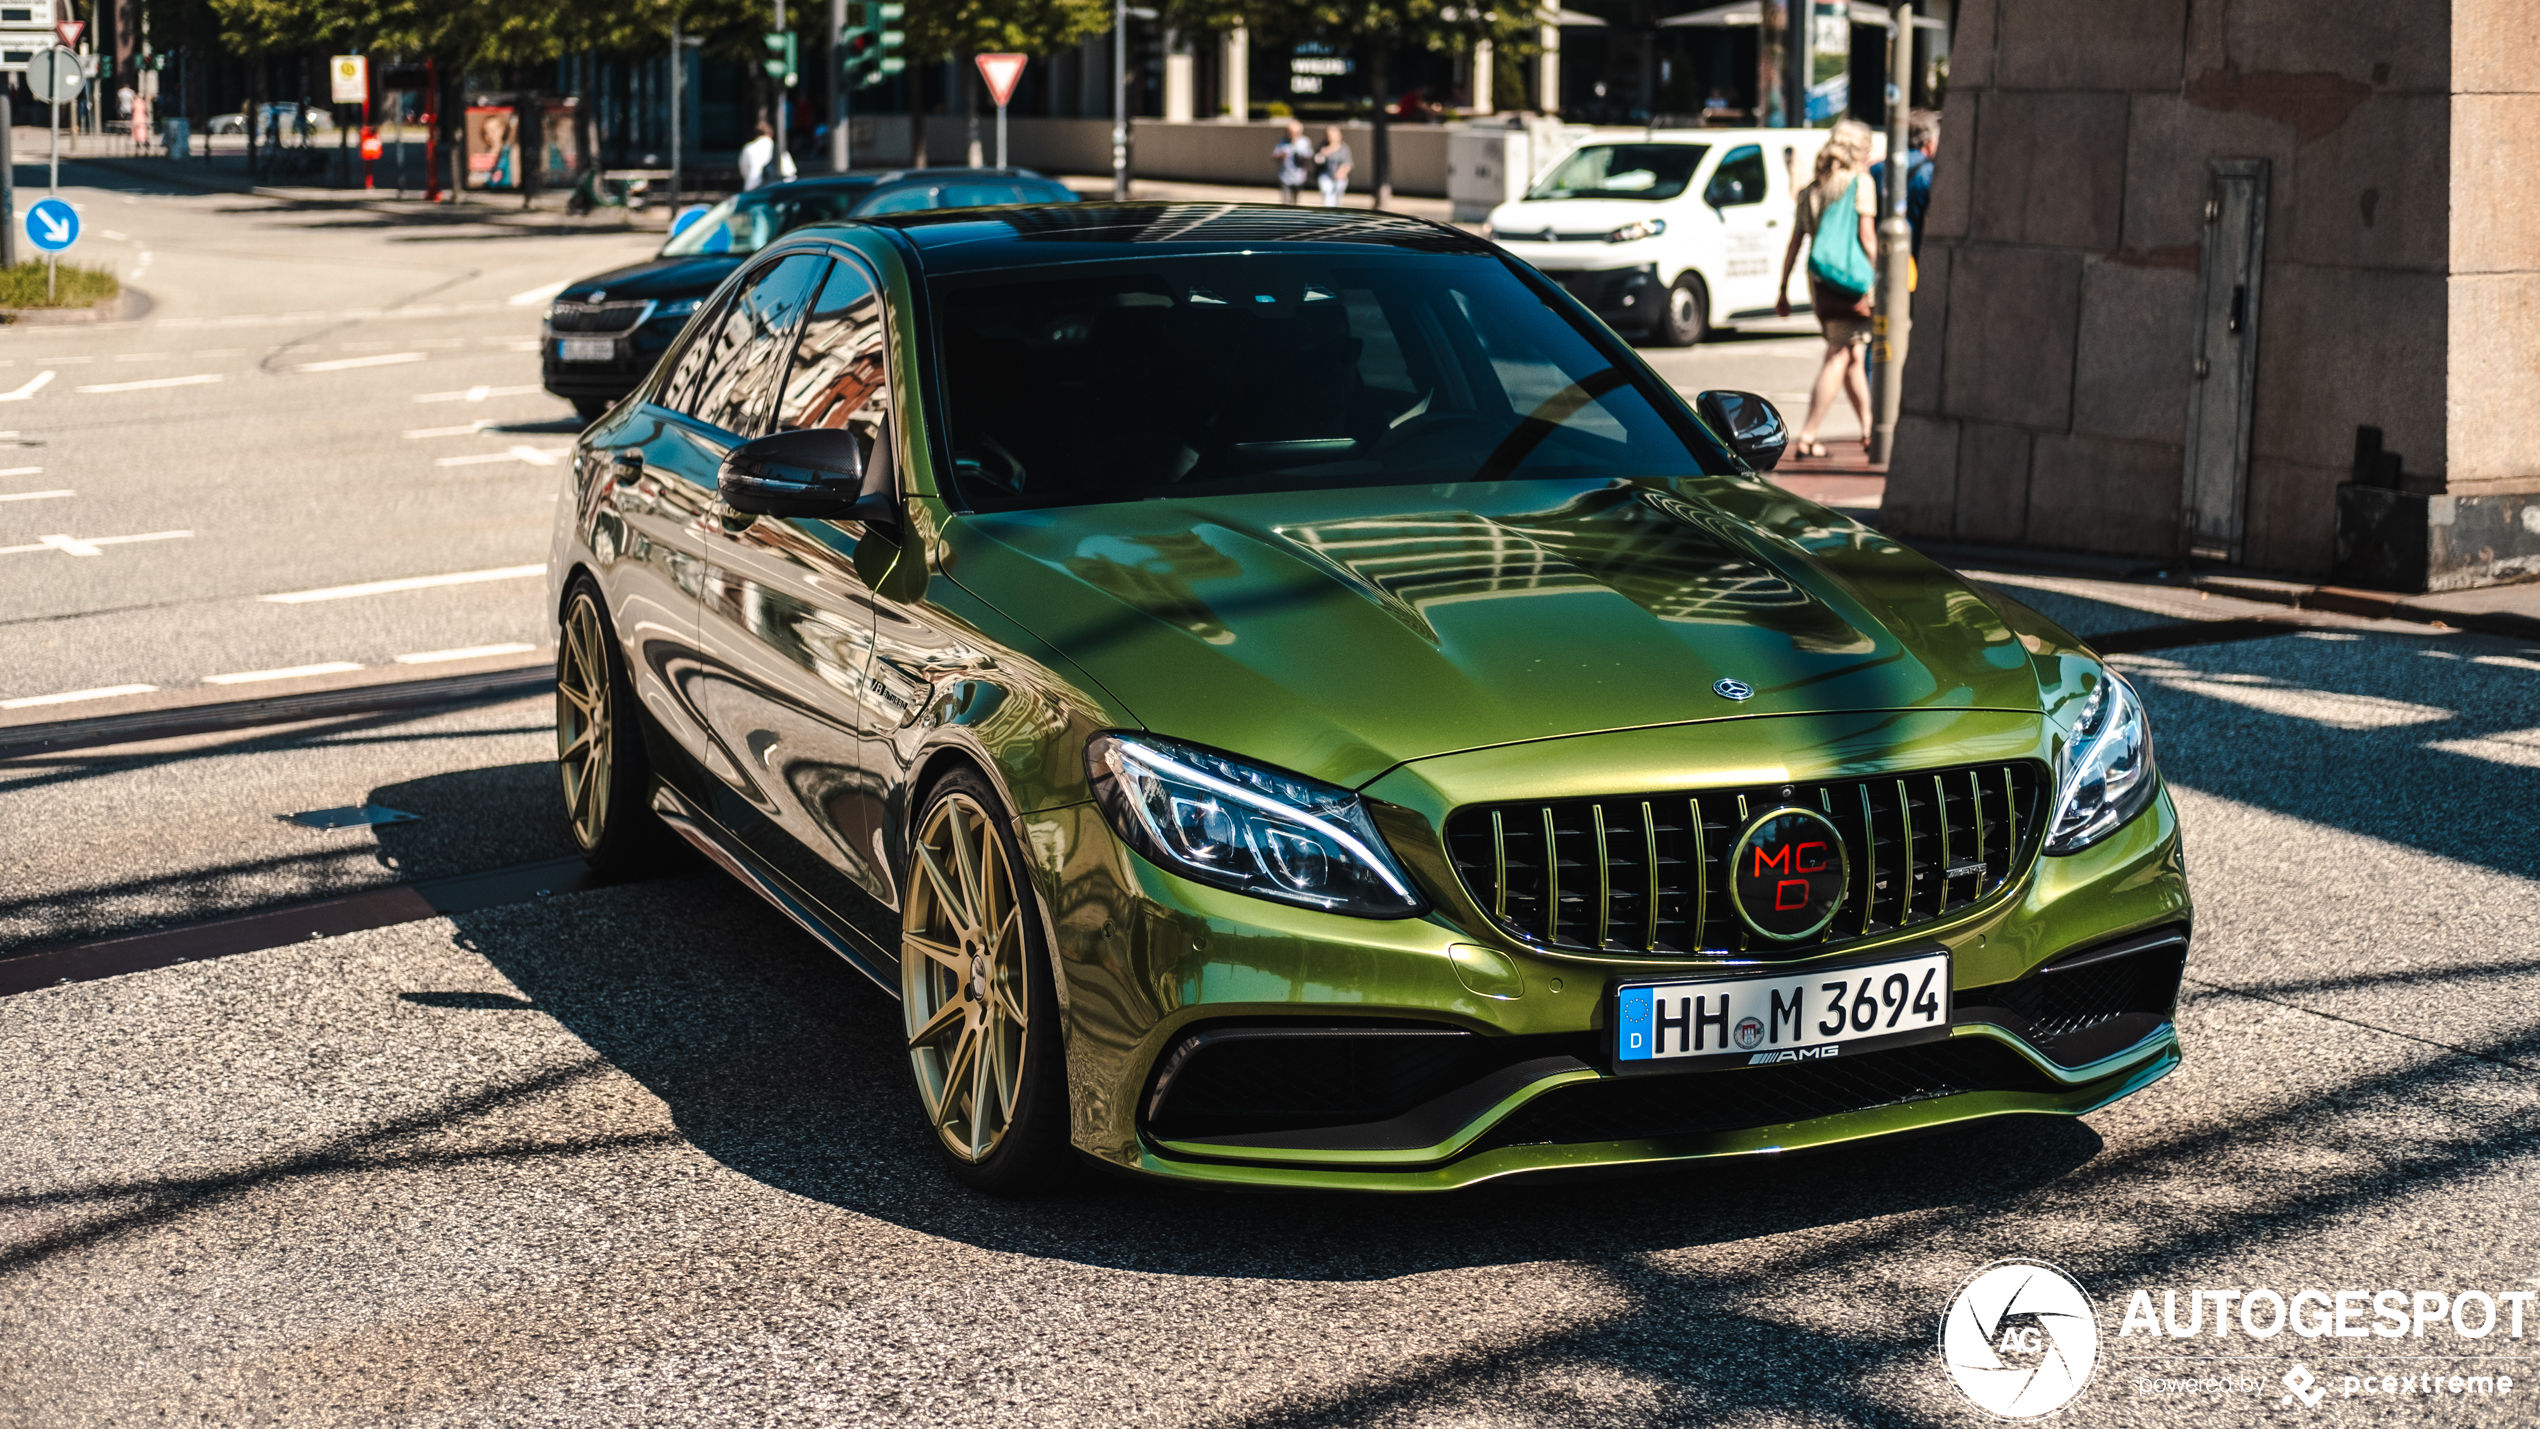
(1686, 319)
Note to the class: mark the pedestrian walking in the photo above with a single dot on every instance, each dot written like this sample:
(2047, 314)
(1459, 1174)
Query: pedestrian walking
(1295, 158)
(1837, 219)
(1922, 140)
(762, 162)
(1331, 167)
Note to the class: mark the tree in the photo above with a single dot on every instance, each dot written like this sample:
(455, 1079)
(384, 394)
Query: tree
(1373, 32)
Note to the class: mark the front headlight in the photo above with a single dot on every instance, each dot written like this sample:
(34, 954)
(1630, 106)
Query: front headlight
(1230, 824)
(1637, 230)
(2108, 774)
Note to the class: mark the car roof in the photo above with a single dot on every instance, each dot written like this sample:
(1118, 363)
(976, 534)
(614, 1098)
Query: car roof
(874, 178)
(955, 240)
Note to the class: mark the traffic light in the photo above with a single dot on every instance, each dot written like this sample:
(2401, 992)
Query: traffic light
(873, 41)
(781, 55)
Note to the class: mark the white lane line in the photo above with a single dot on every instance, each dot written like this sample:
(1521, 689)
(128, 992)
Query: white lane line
(535, 456)
(28, 702)
(245, 677)
(434, 657)
(197, 380)
(341, 592)
(77, 546)
(345, 364)
(110, 233)
(18, 470)
(419, 310)
(535, 296)
(142, 356)
(470, 429)
(477, 394)
(34, 385)
(35, 495)
(220, 352)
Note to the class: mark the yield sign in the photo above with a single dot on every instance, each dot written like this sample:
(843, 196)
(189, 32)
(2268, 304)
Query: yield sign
(1001, 72)
(70, 31)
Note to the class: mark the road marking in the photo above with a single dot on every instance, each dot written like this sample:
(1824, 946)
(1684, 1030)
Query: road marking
(419, 310)
(34, 385)
(220, 352)
(110, 233)
(434, 657)
(535, 456)
(343, 364)
(197, 380)
(142, 356)
(19, 470)
(470, 429)
(77, 546)
(341, 592)
(476, 394)
(535, 296)
(28, 702)
(34, 495)
(245, 677)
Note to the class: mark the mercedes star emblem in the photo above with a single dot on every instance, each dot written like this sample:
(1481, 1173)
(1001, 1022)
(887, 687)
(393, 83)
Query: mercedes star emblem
(1734, 690)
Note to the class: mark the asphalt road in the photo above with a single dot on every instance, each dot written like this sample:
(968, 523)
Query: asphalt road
(316, 397)
(643, 1155)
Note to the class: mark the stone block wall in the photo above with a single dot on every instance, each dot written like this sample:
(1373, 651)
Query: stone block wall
(2054, 331)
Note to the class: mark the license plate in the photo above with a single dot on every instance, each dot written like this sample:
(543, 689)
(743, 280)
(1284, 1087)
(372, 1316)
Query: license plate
(586, 349)
(1756, 1020)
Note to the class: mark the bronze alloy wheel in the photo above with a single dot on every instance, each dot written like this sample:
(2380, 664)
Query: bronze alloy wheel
(965, 978)
(586, 733)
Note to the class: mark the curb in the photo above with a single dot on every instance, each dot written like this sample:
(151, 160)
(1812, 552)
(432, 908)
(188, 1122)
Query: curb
(2373, 604)
(412, 210)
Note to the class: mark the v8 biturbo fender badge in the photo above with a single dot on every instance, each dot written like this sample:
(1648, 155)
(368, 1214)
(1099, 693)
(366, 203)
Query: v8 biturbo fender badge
(1788, 873)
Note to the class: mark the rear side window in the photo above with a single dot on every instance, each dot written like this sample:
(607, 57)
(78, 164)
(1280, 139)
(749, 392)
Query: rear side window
(907, 200)
(726, 376)
(1738, 180)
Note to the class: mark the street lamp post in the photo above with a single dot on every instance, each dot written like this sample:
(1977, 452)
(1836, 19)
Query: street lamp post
(1889, 327)
(1120, 101)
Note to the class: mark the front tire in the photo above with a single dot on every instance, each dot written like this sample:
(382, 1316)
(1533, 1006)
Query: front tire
(980, 1005)
(599, 747)
(1686, 319)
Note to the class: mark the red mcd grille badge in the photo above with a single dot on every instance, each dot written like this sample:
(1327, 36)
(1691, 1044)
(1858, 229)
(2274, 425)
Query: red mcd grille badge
(1788, 873)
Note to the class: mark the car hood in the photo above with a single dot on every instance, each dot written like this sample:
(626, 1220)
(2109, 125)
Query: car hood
(1340, 633)
(1573, 215)
(660, 279)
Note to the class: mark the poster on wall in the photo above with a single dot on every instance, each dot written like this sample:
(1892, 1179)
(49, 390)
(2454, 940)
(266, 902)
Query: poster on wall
(494, 142)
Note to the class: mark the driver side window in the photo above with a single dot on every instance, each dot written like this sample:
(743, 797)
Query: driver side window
(1738, 180)
(726, 376)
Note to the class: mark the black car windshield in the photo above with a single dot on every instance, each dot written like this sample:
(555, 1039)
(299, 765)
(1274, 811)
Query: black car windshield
(1644, 171)
(749, 222)
(1119, 381)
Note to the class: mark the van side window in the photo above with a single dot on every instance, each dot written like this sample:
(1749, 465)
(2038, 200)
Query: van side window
(1738, 180)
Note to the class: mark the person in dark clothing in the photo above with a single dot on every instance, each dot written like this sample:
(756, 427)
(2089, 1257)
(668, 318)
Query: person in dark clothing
(1922, 138)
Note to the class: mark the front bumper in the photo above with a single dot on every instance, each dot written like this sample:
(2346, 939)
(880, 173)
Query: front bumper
(1160, 975)
(1624, 297)
(636, 353)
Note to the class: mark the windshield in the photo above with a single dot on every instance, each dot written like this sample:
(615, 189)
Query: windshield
(1647, 171)
(751, 221)
(1237, 373)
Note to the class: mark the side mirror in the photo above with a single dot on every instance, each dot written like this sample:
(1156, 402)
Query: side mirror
(819, 473)
(1747, 423)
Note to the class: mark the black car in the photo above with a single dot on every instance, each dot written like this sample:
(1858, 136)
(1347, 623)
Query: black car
(605, 332)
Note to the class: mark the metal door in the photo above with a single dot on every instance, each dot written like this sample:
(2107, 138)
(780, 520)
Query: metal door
(2226, 369)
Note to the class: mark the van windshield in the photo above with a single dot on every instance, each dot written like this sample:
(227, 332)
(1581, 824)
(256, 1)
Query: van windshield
(1211, 375)
(1643, 171)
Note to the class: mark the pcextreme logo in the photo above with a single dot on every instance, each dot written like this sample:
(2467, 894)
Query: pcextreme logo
(2020, 1339)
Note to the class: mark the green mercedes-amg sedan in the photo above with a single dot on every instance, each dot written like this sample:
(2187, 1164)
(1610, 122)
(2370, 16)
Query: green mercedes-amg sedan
(1287, 698)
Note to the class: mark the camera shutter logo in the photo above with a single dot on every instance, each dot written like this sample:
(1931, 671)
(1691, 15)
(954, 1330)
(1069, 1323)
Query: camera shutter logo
(2020, 1339)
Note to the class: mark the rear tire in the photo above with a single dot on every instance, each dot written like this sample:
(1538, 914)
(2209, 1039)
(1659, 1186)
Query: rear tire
(980, 1005)
(600, 746)
(1686, 319)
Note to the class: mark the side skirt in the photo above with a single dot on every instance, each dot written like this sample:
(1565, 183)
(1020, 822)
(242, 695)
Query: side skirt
(860, 951)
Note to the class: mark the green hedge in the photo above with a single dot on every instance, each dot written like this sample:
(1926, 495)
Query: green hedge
(75, 286)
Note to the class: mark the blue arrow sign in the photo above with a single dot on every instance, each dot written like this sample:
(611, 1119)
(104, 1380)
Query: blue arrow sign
(52, 225)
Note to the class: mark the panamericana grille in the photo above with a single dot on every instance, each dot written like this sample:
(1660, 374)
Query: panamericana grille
(598, 319)
(1649, 873)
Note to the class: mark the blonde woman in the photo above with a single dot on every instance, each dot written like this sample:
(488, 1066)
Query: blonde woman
(1837, 219)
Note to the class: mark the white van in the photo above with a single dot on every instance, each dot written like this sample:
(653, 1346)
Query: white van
(1670, 231)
